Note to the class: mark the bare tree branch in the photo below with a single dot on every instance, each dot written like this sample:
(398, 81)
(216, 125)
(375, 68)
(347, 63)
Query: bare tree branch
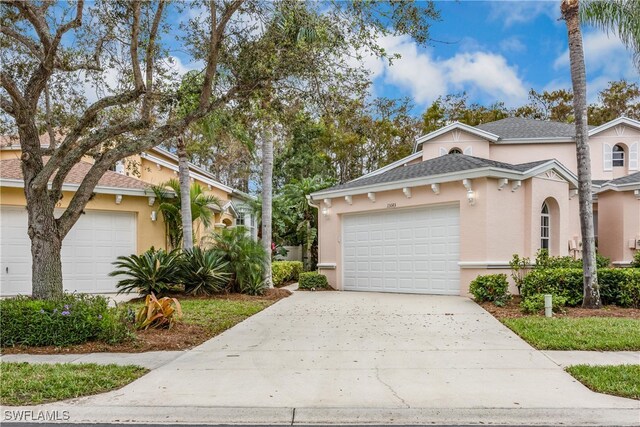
(149, 59)
(133, 49)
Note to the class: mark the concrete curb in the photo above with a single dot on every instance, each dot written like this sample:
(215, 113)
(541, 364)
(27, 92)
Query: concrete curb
(317, 416)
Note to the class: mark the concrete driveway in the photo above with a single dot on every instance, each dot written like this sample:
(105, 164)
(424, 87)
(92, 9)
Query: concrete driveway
(366, 350)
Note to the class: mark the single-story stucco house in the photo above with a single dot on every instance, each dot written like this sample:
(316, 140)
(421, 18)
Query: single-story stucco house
(470, 197)
(122, 219)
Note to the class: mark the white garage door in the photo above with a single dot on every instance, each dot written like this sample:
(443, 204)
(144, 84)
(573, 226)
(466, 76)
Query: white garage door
(408, 250)
(91, 246)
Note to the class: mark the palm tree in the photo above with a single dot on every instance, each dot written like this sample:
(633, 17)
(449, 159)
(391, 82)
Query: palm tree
(301, 213)
(618, 16)
(183, 175)
(570, 10)
(622, 17)
(200, 205)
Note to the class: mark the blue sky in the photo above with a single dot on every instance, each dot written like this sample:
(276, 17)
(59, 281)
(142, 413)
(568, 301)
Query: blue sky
(496, 51)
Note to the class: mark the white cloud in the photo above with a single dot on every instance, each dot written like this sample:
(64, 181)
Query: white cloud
(487, 72)
(606, 59)
(603, 53)
(425, 77)
(518, 12)
(512, 44)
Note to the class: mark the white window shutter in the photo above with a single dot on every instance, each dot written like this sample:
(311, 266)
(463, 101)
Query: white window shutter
(468, 151)
(607, 160)
(633, 156)
(443, 151)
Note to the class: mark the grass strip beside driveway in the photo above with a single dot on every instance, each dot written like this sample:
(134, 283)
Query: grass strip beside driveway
(620, 380)
(218, 315)
(32, 384)
(583, 333)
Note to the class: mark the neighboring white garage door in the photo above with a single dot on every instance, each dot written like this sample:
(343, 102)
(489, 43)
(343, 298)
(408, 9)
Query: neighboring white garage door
(91, 246)
(404, 250)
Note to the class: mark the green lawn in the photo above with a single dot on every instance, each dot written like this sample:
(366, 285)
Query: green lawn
(578, 333)
(32, 384)
(621, 380)
(218, 315)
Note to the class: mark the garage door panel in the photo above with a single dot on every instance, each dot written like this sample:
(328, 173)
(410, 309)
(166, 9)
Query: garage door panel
(420, 250)
(88, 250)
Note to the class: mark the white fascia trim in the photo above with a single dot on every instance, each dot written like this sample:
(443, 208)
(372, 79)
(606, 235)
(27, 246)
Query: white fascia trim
(194, 175)
(455, 125)
(486, 172)
(620, 187)
(230, 205)
(483, 264)
(555, 140)
(393, 165)
(18, 183)
(620, 120)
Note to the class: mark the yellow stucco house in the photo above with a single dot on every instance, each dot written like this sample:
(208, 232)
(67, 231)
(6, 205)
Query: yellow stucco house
(121, 219)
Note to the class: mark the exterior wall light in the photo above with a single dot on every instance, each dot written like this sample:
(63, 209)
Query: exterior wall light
(325, 212)
(471, 197)
(154, 215)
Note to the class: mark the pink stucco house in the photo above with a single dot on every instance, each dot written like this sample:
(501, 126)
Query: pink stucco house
(469, 198)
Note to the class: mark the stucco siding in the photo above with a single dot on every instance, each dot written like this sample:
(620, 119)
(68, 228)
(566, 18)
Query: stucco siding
(619, 222)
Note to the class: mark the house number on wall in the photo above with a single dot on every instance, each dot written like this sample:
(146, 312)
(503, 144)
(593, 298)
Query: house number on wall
(391, 205)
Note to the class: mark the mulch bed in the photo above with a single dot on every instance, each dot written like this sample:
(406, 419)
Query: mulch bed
(181, 337)
(512, 309)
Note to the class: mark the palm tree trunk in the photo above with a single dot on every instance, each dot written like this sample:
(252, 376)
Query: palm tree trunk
(185, 195)
(570, 10)
(267, 194)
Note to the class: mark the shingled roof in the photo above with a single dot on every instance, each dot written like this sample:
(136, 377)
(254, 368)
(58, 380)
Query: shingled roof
(449, 163)
(634, 178)
(10, 169)
(523, 128)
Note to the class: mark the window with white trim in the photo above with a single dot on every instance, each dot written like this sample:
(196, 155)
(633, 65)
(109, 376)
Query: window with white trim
(617, 156)
(545, 227)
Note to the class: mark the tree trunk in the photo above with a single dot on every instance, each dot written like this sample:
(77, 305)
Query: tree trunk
(267, 194)
(46, 245)
(185, 195)
(569, 10)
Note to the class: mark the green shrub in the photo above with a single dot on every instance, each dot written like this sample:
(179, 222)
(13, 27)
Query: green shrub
(152, 272)
(246, 259)
(285, 271)
(203, 272)
(544, 261)
(535, 303)
(72, 319)
(619, 286)
(636, 260)
(492, 287)
(312, 280)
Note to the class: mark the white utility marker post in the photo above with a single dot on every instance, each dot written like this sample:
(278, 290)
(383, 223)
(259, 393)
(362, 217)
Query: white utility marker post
(548, 305)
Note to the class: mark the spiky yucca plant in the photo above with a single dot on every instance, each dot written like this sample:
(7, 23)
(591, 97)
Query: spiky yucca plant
(155, 271)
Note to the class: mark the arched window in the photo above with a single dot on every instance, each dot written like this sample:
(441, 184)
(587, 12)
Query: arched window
(455, 151)
(545, 227)
(617, 156)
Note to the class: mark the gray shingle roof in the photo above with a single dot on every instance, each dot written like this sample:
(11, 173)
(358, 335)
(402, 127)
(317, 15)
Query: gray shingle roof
(448, 163)
(520, 127)
(634, 178)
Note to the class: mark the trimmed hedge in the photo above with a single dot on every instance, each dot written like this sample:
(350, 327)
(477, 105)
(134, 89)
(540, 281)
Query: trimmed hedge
(619, 286)
(312, 280)
(285, 271)
(72, 319)
(491, 287)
